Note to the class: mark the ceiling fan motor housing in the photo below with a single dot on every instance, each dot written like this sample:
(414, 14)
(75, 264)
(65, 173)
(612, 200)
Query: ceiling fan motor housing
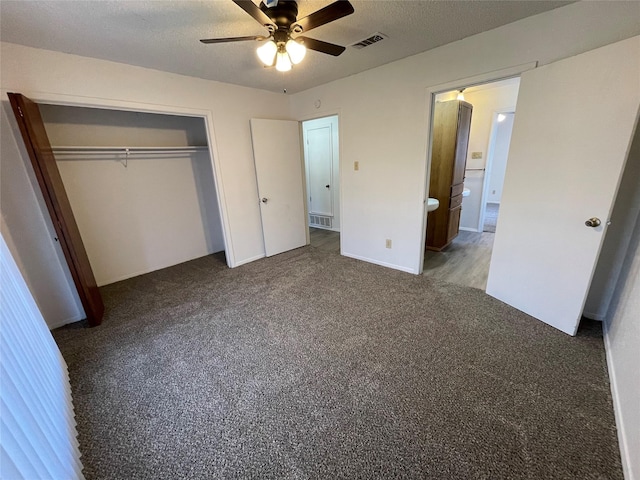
(280, 17)
(283, 14)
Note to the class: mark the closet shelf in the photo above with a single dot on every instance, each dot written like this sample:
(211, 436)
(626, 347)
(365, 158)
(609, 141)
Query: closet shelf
(129, 151)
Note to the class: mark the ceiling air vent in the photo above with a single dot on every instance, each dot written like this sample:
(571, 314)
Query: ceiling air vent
(375, 38)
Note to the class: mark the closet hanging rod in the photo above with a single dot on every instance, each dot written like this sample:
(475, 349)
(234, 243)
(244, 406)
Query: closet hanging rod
(125, 150)
(478, 169)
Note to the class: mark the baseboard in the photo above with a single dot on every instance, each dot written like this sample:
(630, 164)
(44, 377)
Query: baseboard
(468, 229)
(493, 203)
(129, 275)
(382, 264)
(625, 457)
(66, 321)
(152, 268)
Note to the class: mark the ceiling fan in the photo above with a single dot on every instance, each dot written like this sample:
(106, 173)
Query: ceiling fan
(284, 46)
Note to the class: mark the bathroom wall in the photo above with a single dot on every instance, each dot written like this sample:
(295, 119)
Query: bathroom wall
(486, 100)
(497, 167)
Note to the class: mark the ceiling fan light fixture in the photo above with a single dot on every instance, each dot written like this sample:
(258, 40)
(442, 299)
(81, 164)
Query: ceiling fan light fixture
(296, 51)
(280, 17)
(283, 63)
(267, 52)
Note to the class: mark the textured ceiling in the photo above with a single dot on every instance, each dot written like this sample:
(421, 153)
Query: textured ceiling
(164, 35)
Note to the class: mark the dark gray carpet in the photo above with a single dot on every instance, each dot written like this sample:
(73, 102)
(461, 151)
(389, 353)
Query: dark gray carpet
(310, 365)
(491, 211)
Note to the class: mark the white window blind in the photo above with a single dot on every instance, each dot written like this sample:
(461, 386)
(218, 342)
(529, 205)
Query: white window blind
(37, 425)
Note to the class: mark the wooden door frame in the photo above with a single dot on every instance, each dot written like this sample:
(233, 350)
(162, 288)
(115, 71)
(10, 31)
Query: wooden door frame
(430, 95)
(114, 104)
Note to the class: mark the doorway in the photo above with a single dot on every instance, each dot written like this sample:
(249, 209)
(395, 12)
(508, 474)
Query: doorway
(556, 176)
(276, 155)
(501, 129)
(466, 257)
(322, 180)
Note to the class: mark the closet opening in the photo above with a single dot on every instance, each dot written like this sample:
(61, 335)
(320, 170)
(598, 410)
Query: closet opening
(470, 135)
(141, 186)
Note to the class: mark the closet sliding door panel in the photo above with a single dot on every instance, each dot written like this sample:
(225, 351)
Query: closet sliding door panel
(37, 144)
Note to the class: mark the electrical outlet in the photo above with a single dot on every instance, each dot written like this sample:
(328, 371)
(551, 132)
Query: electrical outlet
(476, 155)
(356, 166)
(388, 243)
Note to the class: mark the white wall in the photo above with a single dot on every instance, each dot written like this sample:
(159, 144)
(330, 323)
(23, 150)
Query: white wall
(383, 115)
(499, 157)
(612, 257)
(622, 339)
(615, 298)
(38, 73)
(486, 102)
(29, 233)
(141, 218)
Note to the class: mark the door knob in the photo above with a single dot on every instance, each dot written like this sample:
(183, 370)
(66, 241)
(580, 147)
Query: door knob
(327, 186)
(593, 222)
(264, 200)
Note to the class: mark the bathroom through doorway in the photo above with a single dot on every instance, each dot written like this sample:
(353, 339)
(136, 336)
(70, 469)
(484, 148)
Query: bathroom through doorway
(465, 257)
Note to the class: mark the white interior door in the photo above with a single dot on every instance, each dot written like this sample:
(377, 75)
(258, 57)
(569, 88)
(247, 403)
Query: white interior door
(276, 151)
(575, 121)
(321, 154)
(318, 156)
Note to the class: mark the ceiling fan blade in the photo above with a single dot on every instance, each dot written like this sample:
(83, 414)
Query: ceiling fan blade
(232, 39)
(332, 12)
(253, 10)
(320, 46)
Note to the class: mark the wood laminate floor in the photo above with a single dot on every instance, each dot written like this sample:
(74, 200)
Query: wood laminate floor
(464, 262)
(327, 240)
(491, 217)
